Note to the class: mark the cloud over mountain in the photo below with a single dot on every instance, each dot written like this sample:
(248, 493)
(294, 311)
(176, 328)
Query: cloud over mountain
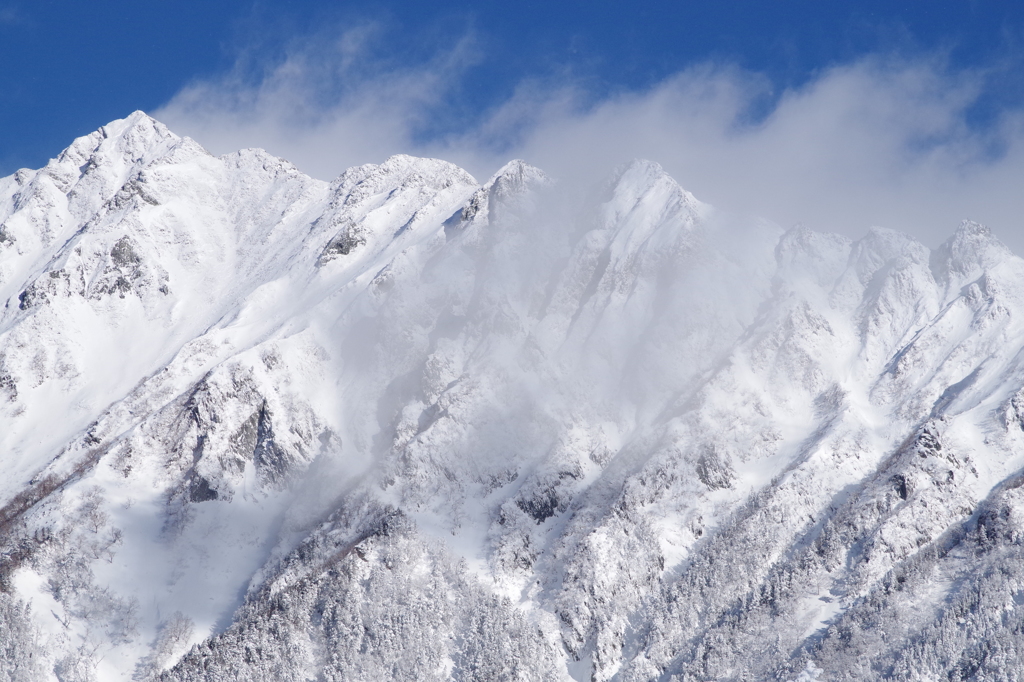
(883, 141)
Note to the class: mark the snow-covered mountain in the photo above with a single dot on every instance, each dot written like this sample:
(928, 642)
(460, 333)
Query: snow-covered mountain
(255, 426)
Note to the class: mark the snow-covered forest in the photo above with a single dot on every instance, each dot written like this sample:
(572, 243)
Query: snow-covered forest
(408, 426)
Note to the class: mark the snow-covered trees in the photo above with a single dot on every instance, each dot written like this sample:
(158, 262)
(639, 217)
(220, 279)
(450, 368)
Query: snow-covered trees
(405, 425)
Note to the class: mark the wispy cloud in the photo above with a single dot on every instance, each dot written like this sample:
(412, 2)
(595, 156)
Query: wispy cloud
(881, 141)
(325, 106)
(870, 143)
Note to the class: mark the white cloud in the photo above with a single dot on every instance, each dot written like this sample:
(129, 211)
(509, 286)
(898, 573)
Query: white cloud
(876, 142)
(872, 143)
(326, 106)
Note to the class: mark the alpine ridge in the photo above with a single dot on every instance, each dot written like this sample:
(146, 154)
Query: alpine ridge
(404, 425)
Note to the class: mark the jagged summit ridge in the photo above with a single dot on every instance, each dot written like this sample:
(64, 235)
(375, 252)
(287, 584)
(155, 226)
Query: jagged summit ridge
(404, 425)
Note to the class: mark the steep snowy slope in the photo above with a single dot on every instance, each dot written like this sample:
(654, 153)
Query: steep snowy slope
(407, 426)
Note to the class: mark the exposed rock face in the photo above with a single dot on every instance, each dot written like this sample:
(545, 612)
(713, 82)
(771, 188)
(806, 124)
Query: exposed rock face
(406, 426)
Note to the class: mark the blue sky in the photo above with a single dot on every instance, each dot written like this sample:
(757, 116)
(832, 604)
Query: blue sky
(786, 108)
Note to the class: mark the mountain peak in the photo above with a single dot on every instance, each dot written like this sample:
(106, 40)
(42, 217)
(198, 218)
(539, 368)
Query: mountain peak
(397, 171)
(113, 150)
(819, 256)
(640, 166)
(425, 170)
(138, 121)
(970, 251)
(131, 138)
(643, 189)
(514, 178)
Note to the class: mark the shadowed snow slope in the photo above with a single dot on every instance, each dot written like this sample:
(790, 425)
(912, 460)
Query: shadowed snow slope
(406, 426)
